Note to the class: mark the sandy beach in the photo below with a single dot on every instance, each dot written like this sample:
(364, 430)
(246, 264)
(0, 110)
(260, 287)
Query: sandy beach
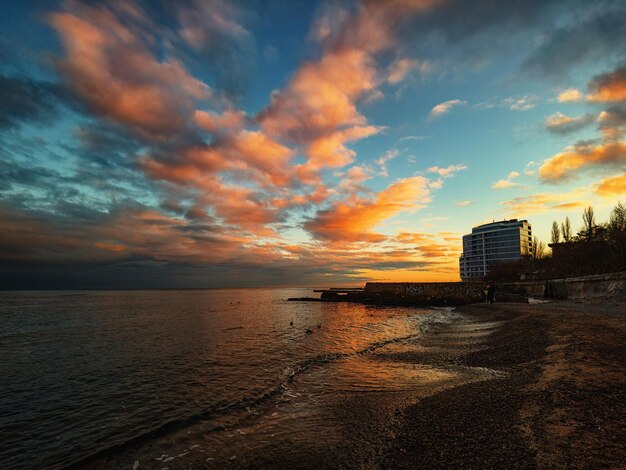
(535, 386)
(561, 404)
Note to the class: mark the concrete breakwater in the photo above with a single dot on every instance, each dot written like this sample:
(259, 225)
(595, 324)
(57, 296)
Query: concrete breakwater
(423, 293)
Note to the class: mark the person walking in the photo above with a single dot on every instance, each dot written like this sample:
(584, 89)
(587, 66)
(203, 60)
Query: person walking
(491, 294)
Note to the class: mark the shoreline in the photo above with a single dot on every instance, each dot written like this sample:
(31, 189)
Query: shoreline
(551, 396)
(560, 404)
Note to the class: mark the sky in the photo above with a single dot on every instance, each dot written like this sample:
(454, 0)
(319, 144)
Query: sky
(285, 143)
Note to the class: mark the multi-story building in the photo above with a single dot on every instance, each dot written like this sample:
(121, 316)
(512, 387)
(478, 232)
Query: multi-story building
(492, 243)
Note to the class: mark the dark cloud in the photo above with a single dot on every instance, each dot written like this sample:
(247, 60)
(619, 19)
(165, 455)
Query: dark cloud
(563, 125)
(456, 20)
(129, 247)
(24, 99)
(15, 174)
(106, 146)
(215, 36)
(107, 163)
(599, 37)
(615, 115)
(6, 52)
(76, 193)
(556, 35)
(197, 214)
(613, 121)
(610, 86)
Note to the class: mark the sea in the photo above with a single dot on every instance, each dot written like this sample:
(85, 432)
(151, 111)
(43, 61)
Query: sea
(86, 373)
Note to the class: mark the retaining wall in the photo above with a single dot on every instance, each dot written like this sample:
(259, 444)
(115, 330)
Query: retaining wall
(586, 287)
(590, 287)
(424, 292)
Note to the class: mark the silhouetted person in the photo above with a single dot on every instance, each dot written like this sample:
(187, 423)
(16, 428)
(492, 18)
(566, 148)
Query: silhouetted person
(491, 294)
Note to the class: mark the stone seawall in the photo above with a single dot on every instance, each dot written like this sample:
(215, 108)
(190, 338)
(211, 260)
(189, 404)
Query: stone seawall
(431, 293)
(458, 293)
(590, 287)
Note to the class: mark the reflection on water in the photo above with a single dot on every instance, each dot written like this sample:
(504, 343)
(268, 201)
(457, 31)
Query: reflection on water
(361, 374)
(324, 408)
(82, 372)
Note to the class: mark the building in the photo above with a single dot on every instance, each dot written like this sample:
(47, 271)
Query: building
(492, 243)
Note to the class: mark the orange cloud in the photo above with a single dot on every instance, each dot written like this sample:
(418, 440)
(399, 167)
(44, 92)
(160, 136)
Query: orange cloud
(191, 165)
(329, 151)
(109, 66)
(429, 245)
(448, 171)
(445, 107)
(110, 247)
(506, 184)
(319, 103)
(366, 262)
(141, 235)
(564, 164)
(257, 150)
(545, 202)
(399, 69)
(238, 206)
(353, 220)
(156, 236)
(570, 95)
(412, 238)
(612, 187)
(229, 121)
(318, 108)
(244, 180)
(609, 87)
(569, 205)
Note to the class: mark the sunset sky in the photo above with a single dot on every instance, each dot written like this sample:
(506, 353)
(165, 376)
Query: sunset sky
(297, 143)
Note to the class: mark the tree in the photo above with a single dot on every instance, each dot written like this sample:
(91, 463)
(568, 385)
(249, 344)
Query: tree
(617, 220)
(556, 233)
(538, 249)
(589, 222)
(617, 235)
(566, 230)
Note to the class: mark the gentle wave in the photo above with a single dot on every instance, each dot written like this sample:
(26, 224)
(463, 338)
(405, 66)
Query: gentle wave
(101, 371)
(440, 315)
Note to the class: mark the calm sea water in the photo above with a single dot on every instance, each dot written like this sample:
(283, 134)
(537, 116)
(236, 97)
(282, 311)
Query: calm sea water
(81, 372)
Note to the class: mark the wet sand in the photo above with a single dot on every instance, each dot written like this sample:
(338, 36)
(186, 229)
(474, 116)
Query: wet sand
(561, 405)
(525, 386)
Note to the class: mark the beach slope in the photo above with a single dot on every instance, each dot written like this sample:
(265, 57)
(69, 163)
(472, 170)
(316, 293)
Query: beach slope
(560, 404)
